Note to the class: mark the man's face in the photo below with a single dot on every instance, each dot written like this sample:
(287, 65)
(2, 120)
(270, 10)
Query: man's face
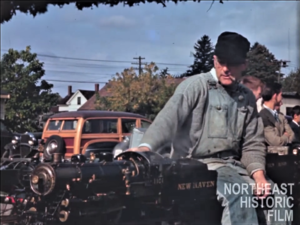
(278, 99)
(227, 74)
(297, 118)
(257, 93)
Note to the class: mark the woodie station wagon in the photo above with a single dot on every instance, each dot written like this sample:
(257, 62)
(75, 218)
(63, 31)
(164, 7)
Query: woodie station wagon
(80, 131)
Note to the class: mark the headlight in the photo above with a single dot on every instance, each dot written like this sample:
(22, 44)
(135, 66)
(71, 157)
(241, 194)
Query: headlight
(15, 140)
(52, 147)
(295, 151)
(32, 141)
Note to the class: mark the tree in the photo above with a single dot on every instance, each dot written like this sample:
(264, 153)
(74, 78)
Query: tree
(203, 58)
(101, 102)
(145, 94)
(21, 74)
(9, 8)
(292, 82)
(263, 64)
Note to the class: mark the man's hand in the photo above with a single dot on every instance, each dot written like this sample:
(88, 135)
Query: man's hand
(139, 149)
(263, 187)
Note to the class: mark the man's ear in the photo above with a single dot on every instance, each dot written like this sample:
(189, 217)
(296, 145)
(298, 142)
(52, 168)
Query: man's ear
(215, 59)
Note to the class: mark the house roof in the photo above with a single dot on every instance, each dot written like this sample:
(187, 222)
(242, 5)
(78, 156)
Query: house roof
(95, 113)
(87, 93)
(4, 94)
(90, 104)
(64, 100)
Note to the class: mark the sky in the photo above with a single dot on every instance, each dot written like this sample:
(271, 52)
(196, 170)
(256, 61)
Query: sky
(164, 35)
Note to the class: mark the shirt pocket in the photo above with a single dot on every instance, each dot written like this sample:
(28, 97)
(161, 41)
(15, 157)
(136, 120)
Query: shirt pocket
(240, 123)
(218, 121)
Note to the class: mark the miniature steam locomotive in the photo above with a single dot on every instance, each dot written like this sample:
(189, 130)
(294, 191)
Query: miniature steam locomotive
(134, 188)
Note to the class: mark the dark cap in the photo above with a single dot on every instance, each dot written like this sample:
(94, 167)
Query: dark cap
(232, 48)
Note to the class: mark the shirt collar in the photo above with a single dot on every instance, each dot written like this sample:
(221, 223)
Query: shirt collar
(274, 112)
(296, 123)
(214, 74)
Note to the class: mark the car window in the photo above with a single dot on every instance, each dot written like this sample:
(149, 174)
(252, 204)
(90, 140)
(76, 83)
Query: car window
(70, 125)
(100, 126)
(128, 125)
(145, 124)
(54, 125)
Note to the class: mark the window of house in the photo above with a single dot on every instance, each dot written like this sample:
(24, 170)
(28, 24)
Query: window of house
(100, 126)
(128, 125)
(70, 125)
(78, 100)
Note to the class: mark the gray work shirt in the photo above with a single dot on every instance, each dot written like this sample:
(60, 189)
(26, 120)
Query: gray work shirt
(202, 119)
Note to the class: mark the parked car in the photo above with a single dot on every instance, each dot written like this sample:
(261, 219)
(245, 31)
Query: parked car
(22, 144)
(79, 132)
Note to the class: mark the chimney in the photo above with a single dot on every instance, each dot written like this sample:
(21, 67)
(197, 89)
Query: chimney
(96, 88)
(69, 90)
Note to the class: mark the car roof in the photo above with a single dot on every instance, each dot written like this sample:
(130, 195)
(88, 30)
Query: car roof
(95, 113)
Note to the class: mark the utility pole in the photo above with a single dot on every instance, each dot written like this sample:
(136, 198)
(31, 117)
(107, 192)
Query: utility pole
(140, 64)
(283, 63)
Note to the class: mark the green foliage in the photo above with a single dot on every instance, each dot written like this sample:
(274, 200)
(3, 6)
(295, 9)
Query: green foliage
(10, 8)
(292, 82)
(203, 58)
(145, 94)
(263, 64)
(100, 103)
(21, 74)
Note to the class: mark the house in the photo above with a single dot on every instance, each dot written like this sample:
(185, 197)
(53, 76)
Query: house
(74, 100)
(103, 92)
(4, 96)
(90, 104)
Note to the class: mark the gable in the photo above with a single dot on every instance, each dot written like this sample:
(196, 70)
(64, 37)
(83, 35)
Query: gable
(74, 96)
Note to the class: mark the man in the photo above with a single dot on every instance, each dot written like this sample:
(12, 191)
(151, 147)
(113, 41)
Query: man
(276, 128)
(254, 84)
(295, 123)
(213, 118)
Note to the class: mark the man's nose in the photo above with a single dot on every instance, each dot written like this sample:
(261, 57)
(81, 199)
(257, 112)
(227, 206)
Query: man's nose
(225, 68)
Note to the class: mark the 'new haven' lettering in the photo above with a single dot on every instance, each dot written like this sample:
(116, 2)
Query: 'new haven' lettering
(196, 185)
